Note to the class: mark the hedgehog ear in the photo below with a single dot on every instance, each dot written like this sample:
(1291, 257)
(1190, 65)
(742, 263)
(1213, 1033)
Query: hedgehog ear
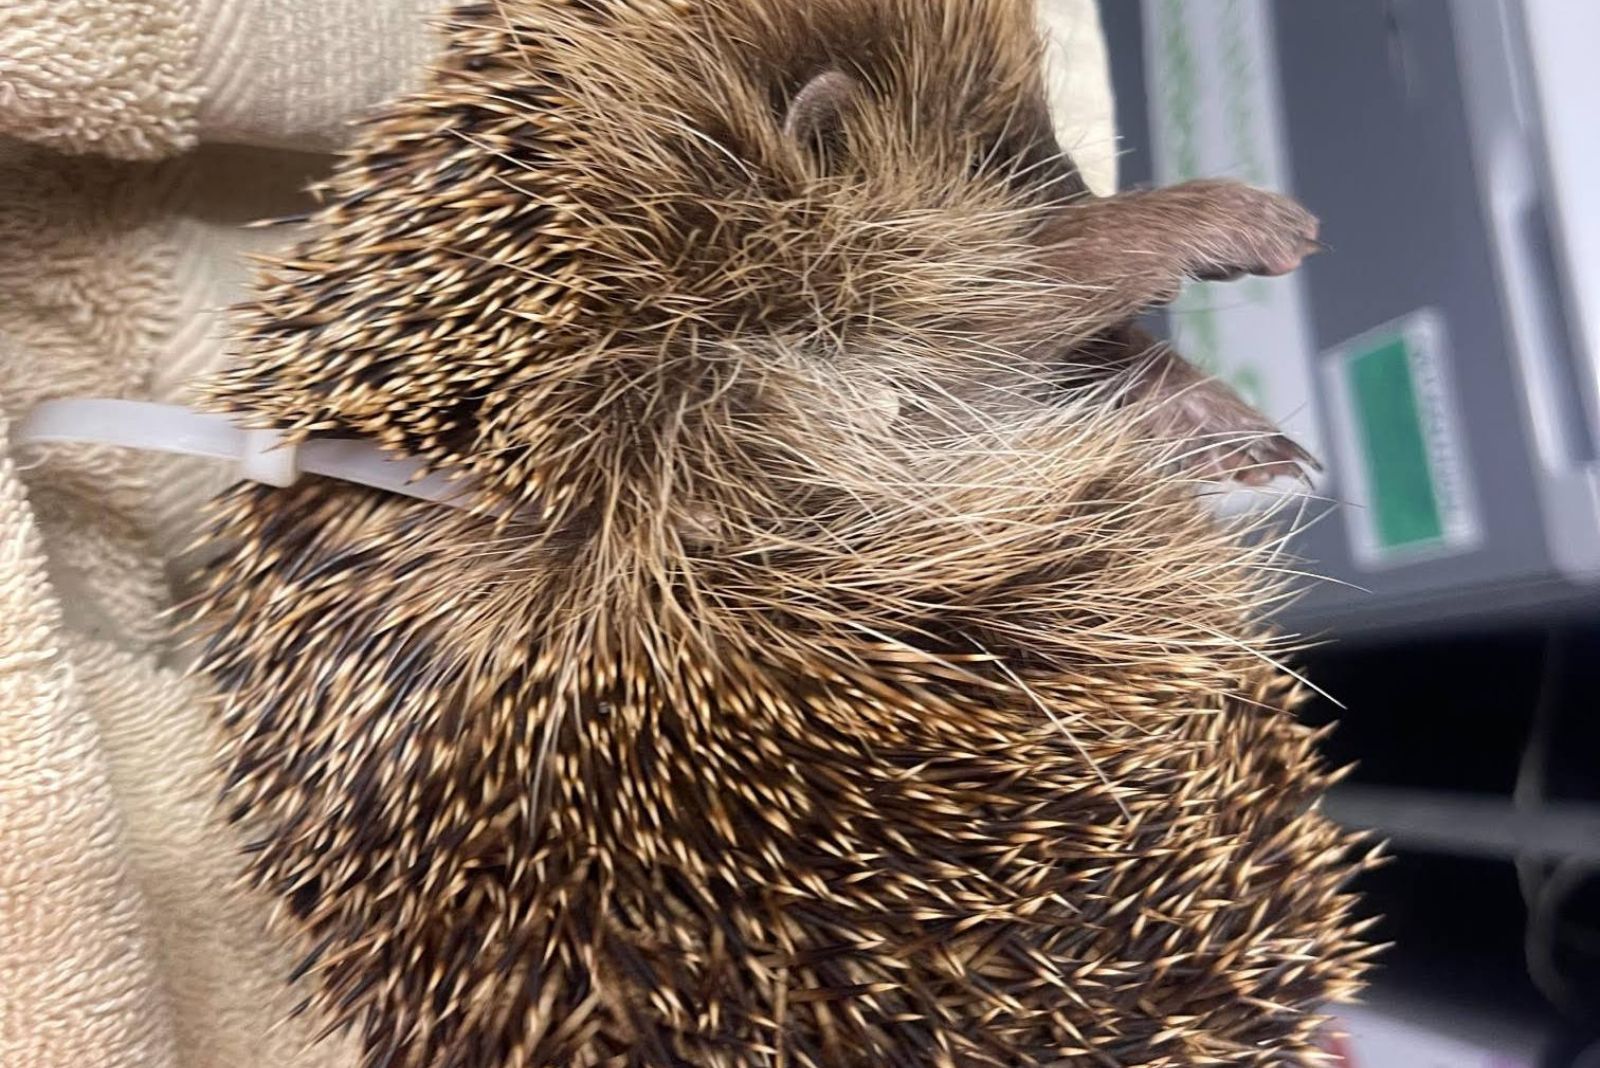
(817, 105)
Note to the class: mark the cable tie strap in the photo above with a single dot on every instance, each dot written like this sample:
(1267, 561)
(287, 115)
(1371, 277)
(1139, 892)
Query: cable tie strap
(265, 456)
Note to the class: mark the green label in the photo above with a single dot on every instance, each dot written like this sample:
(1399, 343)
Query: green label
(1401, 491)
(1402, 466)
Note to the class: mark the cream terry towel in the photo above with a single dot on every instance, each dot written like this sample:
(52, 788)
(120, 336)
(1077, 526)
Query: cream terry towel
(123, 941)
(143, 79)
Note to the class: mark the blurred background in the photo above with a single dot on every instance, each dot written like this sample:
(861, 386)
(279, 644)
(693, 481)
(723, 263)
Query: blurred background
(1443, 359)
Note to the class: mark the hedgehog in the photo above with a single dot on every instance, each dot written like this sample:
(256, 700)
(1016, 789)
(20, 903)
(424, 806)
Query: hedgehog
(832, 660)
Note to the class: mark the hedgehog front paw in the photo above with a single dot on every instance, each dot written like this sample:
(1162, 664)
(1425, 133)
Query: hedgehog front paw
(1244, 230)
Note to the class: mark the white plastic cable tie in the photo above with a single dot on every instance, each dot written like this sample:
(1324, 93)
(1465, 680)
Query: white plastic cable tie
(267, 458)
(261, 455)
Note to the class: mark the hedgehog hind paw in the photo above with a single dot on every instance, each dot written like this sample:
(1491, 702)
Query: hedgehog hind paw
(1269, 458)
